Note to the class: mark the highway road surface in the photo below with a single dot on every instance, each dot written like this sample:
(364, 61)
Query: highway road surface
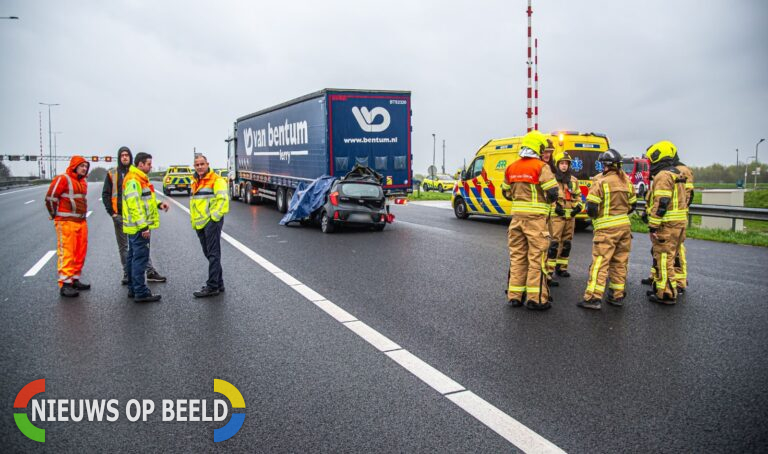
(398, 341)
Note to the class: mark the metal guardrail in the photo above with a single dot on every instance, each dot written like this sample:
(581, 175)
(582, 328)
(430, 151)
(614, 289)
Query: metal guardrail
(722, 211)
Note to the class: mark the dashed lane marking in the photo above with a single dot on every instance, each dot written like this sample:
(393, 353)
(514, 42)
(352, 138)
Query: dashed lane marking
(506, 426)
(27, 203)
(40, 264)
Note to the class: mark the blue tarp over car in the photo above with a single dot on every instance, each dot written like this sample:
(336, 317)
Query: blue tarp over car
(307, 199)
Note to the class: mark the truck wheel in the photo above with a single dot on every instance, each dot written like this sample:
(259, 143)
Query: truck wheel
(233, 195)
(280, 200)
(248, 194)
(425, 187)
(460, 208)
(288, 198)
(326, 223)
(440, 188)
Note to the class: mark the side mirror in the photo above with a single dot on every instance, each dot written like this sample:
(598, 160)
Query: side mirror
(463, 175)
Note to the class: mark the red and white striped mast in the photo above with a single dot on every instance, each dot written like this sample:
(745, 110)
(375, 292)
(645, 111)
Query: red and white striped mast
(529, 63)
(536, 84)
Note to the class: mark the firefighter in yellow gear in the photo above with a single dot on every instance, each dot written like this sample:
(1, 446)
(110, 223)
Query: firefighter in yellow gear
(611, 198)
(531, 187)
(562, 223)
(667, 215)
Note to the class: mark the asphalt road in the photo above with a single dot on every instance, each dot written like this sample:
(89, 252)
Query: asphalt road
(642, 378)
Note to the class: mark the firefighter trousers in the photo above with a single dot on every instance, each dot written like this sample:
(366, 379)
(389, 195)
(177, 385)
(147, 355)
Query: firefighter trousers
(610, 257)
(71, 248)
(668, 239)
(528, 239)
(560, 247)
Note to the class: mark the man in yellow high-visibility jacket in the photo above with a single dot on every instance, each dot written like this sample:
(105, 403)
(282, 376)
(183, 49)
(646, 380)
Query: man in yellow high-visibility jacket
(208, 204)
(140, 217)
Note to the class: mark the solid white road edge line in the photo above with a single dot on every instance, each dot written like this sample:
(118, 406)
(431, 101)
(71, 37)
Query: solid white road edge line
(21, 190)
(506, 426)
(40, 264)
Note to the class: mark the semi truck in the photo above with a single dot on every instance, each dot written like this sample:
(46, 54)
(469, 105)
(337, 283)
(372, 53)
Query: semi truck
(323, 133)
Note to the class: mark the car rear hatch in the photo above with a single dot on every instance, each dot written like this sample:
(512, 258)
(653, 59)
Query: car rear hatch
(361, 201)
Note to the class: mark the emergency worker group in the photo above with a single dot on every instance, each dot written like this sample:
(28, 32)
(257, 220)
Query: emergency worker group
(545, 199)
(129, 199)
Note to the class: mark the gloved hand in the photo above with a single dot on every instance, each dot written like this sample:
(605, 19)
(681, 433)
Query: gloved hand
(644, 217)
(576, 210)
(559, 210)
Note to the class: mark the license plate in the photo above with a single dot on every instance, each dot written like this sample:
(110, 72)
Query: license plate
(357, 217)
(181, 185)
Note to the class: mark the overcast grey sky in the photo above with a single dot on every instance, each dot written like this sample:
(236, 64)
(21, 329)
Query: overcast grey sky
(166, 76)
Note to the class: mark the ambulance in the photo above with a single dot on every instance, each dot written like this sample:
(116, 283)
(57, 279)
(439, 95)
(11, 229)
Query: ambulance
(478, 192)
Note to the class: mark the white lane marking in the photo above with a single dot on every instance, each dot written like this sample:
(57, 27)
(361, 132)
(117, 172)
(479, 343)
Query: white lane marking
(426, 373)
(509, 428)
(88, 213)
(381, 342)
(27, 203)
(335, 311)
(40, 264)
(21, 190)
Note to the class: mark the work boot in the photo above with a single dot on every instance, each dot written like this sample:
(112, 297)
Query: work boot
(563, 273)
(530, 304)
(618, 302)
(514, 303)
(680, 290)
(131, 295)
(148, 298)
(591, 304)
(206, 292)
(665, 301)
(647, 281)
(154, 276)
(77, 285)
(124, 281)
(553, 283)
(68, 291)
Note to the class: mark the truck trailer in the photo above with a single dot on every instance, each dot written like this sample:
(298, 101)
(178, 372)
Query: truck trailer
(323, 133)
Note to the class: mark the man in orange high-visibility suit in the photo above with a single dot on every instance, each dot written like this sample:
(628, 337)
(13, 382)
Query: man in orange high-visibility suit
(67, 205)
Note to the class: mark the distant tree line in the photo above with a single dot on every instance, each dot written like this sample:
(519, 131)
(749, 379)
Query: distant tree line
(718, 173)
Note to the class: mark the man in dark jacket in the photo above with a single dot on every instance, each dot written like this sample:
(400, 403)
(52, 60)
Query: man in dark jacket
(112, 196)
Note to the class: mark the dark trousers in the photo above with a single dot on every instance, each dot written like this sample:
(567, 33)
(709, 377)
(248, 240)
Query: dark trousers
(136, 264)
(210, 240)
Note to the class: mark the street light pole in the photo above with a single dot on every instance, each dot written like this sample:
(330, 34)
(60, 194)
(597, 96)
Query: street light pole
(443, 156)
(10, 17)
(433, 150)
(756, 146)
(55, 151)
(50, 161)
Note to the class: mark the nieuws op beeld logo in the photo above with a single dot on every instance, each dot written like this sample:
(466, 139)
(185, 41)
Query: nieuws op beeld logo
(100, 410)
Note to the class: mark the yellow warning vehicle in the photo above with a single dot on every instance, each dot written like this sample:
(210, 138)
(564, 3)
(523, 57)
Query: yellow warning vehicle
(478, 192)
(177, 178)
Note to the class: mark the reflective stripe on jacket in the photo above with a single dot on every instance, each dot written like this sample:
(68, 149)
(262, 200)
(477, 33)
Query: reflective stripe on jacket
(614, 196)
(670, 185)
(526, 180)
(139, 203)
(209, 199)
(66, 196)
(114, 177)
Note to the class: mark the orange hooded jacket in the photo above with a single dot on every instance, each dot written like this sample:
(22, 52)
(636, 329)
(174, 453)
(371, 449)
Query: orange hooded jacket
(66, 197)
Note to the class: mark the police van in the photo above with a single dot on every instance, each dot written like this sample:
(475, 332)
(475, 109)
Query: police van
(479, 190)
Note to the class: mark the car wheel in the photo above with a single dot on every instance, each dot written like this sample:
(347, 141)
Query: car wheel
(460, 208)
(326, 223)
(189, 192)
(165, 191)
(280, 200)
(425, 187)
(440, 188)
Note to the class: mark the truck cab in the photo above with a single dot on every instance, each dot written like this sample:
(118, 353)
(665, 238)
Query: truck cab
(639, 172)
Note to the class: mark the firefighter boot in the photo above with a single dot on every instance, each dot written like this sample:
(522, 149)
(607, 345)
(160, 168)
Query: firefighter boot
(68, 291)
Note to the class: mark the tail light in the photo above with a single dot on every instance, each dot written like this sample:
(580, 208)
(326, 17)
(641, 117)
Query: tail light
(390, 218)
(336, 215)
(334, 197)
(382, 218)
(401, 201)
